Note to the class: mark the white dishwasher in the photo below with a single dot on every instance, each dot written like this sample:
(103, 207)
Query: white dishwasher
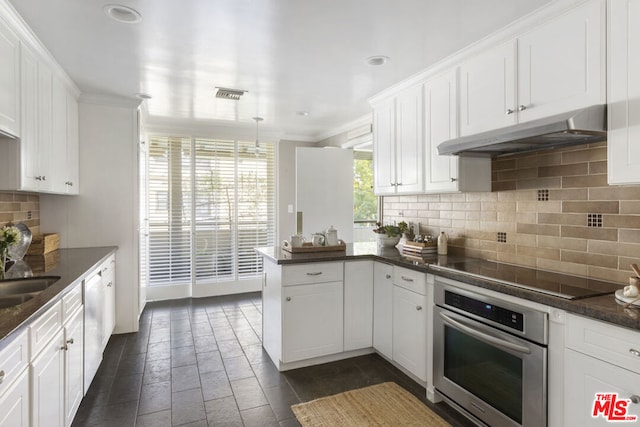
(93, 328)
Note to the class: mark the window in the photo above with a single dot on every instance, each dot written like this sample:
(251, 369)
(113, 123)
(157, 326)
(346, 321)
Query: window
(365, 203)
(210, 203)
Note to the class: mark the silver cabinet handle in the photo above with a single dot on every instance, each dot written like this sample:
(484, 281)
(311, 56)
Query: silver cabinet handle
(635, 399)
(288, 298)
(453, 179)
(64, 347)
(398, 183)
(522, 107)
(388, 276)
(634, 352)
(509, 112)
(1, 376)
(406, 279)
(317, 273)
(109, 284)
(70, 341)
(419, 308)
(69, 183)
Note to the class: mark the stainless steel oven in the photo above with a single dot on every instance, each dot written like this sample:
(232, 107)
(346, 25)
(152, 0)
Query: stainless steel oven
(490, 357)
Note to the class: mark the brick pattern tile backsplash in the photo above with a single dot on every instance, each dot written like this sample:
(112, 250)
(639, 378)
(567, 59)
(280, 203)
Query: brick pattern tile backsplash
(555, 207)
(20, 207)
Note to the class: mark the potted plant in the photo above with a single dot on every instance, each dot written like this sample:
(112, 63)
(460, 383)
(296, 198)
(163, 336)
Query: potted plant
(387, 235)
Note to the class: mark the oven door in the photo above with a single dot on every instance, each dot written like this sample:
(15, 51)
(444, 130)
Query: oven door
(496, 377)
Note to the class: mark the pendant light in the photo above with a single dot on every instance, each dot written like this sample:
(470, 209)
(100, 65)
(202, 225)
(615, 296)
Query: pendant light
(258, 120)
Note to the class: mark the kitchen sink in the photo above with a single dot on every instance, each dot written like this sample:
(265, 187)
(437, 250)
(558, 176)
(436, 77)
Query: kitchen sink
(25, 286)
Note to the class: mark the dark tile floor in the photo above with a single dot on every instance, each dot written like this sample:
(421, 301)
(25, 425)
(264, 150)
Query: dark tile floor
(199, 362)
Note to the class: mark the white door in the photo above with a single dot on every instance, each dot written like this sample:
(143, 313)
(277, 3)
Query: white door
(441, 124)
(409, 331)
(47, 385)
(488, 90)
(358, 305)
(14, 403)
(324, 190)
(384, 148)
(383, 309)
(9, 81)
(561, 64)
(623, 92)
(409, 141)
(73, 366)
(312, 321)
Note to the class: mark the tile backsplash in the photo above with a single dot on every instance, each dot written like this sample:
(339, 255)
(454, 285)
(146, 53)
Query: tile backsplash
(554, 207)
(20, 207)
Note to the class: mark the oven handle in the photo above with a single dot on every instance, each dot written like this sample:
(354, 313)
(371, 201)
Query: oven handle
(485, 337)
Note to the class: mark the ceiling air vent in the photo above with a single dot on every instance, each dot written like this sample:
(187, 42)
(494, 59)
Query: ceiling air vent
(226, 93)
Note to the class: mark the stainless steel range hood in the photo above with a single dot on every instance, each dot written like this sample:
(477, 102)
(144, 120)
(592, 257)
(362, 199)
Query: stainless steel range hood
(575, 127)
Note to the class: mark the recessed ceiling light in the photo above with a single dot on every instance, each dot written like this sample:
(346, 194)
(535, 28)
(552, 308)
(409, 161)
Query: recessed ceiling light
(376, 61)
(123, 14)
(143, 96)
(302, 113)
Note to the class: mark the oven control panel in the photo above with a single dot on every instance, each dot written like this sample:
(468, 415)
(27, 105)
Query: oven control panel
(509, 318)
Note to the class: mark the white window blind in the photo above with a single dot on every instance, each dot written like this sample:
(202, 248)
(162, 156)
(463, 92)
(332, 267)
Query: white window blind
(211, 202)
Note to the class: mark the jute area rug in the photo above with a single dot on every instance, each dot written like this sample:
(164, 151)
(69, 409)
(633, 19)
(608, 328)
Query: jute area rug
(385, 404)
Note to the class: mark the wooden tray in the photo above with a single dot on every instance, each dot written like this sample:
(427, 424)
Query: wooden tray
(44, 244)
(421, 244)
(310, 248)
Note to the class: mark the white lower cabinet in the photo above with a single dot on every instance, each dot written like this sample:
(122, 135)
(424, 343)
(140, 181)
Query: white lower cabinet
(47, 384)
(312, 321)
(14, 383)
(73, 365)
(358, 305)
(14, 403)
(383, 309)
(409, 331)
(600, 358)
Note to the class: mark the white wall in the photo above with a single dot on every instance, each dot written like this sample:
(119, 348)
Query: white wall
(106, 211)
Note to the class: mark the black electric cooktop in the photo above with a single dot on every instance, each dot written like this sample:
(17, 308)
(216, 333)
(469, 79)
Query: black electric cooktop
(560, 285)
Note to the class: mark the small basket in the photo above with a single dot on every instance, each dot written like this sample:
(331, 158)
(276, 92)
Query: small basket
(44, 244)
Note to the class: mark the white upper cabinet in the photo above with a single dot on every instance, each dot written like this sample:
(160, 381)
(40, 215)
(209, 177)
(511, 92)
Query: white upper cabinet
(561, 64)
(398, 143)
(448, 173)
(556, 67)
(623, 92)
(9, 81)
(487, 90)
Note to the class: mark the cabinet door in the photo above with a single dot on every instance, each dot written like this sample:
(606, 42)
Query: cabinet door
(45, 128)
(487, 90)
(384, 148)
(409, 141)
(441, 123)
(623, 92)
(312, 321)
(561, 64)
(584, 377)
(58, 158)
(14, 403)
(109, 313)
(383, 309)
(47, 385)
(409, 331)
(73, 365)
(358, 305)
(72, 179)
(9, 81)
(29, 138)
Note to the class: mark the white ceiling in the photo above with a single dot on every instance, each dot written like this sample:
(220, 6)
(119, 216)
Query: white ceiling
(290, 55)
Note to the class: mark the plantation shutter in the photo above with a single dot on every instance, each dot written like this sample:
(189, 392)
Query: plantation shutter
(211, 202)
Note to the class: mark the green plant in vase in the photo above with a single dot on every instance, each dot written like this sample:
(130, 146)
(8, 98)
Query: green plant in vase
(9, 236)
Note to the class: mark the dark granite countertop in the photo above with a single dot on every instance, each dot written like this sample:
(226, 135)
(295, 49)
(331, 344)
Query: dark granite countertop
(71, 265)
(605, 307)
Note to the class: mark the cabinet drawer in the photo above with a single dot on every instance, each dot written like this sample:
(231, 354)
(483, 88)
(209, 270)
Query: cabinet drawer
(616, 345)
(71, 301)
(317, 272)
(13, 359)
(44, 328)
(414, 281)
